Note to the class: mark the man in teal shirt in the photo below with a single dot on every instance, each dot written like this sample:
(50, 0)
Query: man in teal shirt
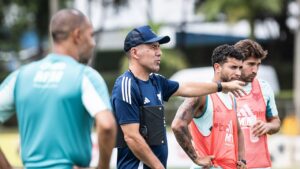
(58, 98)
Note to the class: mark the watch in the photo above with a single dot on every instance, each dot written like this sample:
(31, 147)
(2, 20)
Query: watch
(220, 88)
(244, 161)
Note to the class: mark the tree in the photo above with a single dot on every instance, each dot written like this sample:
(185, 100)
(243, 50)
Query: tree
(31, 14)
(235, 10)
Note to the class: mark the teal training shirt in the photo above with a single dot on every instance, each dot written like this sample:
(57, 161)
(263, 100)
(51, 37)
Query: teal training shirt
(55, 100)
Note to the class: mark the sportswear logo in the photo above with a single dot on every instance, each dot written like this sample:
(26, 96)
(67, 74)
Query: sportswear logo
(159, 97)
(229, 133)
(126, 89)
(49, 75)
(146, 100)
(245, 116)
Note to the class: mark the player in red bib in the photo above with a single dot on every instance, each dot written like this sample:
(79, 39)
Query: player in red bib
(206, 127)
(257, 112)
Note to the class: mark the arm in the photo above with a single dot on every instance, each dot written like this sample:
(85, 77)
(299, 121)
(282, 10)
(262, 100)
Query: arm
(180, 124)
(241, 144)
(194, 89)
(139, 147)
(272, 126)
(95, 99)
(106, 131)
(3, 161)
(241, 148)
(7, 105)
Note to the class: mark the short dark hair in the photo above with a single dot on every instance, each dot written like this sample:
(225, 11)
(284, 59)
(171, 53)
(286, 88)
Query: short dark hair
(250, 48)
(222, 52)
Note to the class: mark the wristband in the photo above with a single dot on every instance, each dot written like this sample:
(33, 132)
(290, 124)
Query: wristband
(244, 161)
(220, 88)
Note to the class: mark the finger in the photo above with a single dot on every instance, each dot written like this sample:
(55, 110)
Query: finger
(241, 83)
(257, 126)
(240, 165)
(258, 129)
(236, 94)
(263, 131)
(211, 157)
(244, 92)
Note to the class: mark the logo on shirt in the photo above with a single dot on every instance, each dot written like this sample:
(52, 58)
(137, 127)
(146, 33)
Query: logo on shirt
(49, 75)
(246, 116)
(146, 100)
(159, 97)
(229, 133)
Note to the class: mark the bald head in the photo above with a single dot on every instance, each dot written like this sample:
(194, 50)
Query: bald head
(64, 22)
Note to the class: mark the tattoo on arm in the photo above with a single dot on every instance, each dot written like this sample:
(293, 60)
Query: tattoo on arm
(188, 108)
(185, 115)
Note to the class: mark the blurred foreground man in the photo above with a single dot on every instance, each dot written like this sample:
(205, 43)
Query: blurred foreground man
(57, 100)
(257, 112)
(206, 127)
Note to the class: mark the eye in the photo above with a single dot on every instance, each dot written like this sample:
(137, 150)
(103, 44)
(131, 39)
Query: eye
(155, 46)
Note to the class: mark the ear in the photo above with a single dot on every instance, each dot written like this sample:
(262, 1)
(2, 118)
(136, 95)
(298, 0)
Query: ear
(134, 53)
(76, 36)
(217, 67)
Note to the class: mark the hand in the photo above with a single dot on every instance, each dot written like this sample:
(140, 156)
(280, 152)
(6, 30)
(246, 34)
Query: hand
(206, 162)
(260, 128)
(241, 165)
(235, 86)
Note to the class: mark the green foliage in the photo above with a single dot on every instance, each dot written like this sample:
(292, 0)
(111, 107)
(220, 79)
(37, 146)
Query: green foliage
(240, 9)
(285, 94)
(172, 61)
(32, 14)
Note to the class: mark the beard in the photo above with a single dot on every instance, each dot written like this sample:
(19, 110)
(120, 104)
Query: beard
(225, 78)
(86, 59)
(248, 78)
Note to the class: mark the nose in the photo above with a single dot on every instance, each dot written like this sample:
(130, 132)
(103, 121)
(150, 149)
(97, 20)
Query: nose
(255, 69)
(93, 42)
(158, 52)
(238, 73)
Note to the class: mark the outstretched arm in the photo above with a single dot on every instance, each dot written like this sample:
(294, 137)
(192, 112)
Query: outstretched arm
(180, 124)
(3, 161)
(106, 131)
(195, 89)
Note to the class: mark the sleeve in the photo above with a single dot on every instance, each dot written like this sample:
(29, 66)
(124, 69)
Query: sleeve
(125, 101)
(95, 95)
(169, 87)
(268, 93)
(7, 104)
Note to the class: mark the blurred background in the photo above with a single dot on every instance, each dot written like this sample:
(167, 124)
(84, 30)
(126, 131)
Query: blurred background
(196, 27)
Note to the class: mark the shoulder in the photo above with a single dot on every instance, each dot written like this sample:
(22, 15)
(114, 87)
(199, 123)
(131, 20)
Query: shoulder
(92, 74)
(124, 84)
(126, 79)
(10, 80)
(92, 78)
(162, 79)
(264, 85)
(157, 76)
